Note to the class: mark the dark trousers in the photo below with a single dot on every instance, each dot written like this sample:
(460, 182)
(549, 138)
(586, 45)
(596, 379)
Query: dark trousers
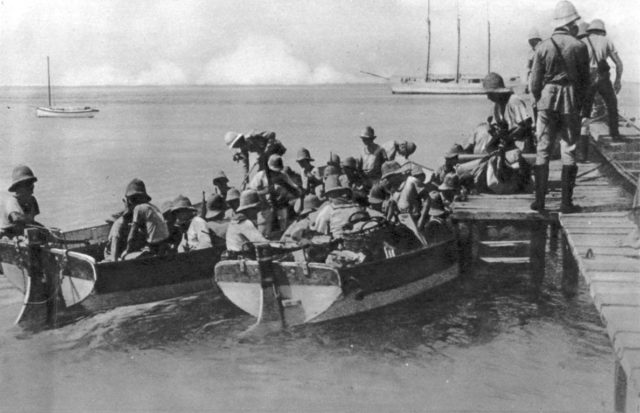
(603, 86)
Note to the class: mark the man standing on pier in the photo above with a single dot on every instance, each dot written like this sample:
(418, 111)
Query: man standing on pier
(559, 82)
(600, 48)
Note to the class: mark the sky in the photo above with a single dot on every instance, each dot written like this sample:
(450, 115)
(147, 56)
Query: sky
(246, 42)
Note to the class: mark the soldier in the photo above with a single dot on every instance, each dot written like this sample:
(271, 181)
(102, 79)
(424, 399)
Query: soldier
(600, 48)
(263, 144)
(20, 209)
(534, 39)
(308, 173)
(242, 231)
(559, 81)
(147, 218)
(373, 156)
(509, 109)
(221, 184)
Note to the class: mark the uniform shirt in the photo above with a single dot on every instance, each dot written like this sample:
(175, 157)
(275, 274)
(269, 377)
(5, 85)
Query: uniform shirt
(240, 232)
(602, 49)
(149, 217)
(564, 79)
(333, 216)
(197, 236)
(286, 191)
(515, 112)
(372, 161)
(310, 180)
(300, 228)
(407, 196)
(479, 142)
(218, 231)
(28, 209)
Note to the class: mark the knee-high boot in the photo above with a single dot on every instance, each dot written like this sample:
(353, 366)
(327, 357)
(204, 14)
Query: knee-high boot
(569, 174)
(541, 173)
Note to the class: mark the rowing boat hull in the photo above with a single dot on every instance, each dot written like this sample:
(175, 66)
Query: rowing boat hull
(55, 281)
(66, 112)
(322, 292)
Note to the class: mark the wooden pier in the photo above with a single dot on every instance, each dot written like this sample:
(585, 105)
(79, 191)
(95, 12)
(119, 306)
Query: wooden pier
(502, 229)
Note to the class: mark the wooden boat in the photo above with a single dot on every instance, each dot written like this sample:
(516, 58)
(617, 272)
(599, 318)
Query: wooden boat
(309, 292)
(63, 112)
(57, 280)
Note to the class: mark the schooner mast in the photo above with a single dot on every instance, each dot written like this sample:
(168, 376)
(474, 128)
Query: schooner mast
(458, 55)
(426, 79)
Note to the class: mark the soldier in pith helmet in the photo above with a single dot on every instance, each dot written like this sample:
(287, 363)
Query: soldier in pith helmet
(20, 209)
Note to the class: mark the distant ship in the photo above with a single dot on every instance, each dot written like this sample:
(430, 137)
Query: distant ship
(453, 84)
(63, 112)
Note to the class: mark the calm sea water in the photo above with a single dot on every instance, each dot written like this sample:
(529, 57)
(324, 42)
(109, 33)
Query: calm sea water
(492, 343)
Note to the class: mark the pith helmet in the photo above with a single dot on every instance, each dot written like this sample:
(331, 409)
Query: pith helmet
(275, 163)
(333, 188)
(596, 25)
(21, 174)
(310, 204)
(582, 30)
(231, 138)
(565, 13)
(220, 176)
(165, 207)
(304, 155)
(534, 34)
(493, 83)
(182, 203)
(409, 148)
(349, 162)
(368, 133)
(390, 168)
(232, 194)
(136, 187)
(248, 199)
(215, 206)
(334, 159)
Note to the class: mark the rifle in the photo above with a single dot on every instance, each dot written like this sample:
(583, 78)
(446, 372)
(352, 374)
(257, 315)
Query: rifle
(203, 207)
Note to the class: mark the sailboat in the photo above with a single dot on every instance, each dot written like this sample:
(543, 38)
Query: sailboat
(457, 84)
(63, 112)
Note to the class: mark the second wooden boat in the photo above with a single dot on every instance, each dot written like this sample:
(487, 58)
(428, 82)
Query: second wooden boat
(313, 292)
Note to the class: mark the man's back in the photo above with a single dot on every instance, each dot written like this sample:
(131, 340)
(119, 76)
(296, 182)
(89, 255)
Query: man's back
(572, 67)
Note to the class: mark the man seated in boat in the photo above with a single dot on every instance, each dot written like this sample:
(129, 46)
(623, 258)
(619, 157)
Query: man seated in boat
(373, 156)
(353, 177)
(195, 234)
(304, 225)
(216, 222)
(404, 189)
(378, 198)
(242, 231)
(334, 215)
(309, 174)
(399, 150)
(221, 184)
(276, 190)
(510, 124)
(21, 208)
(175, 232)
(146, 218)
(263, 144)
(117, 238)
(233, 201)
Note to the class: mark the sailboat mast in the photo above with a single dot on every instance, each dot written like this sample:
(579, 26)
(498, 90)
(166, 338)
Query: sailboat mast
(488, 41)
(48, 81)
(458, 57)
(428, 38)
